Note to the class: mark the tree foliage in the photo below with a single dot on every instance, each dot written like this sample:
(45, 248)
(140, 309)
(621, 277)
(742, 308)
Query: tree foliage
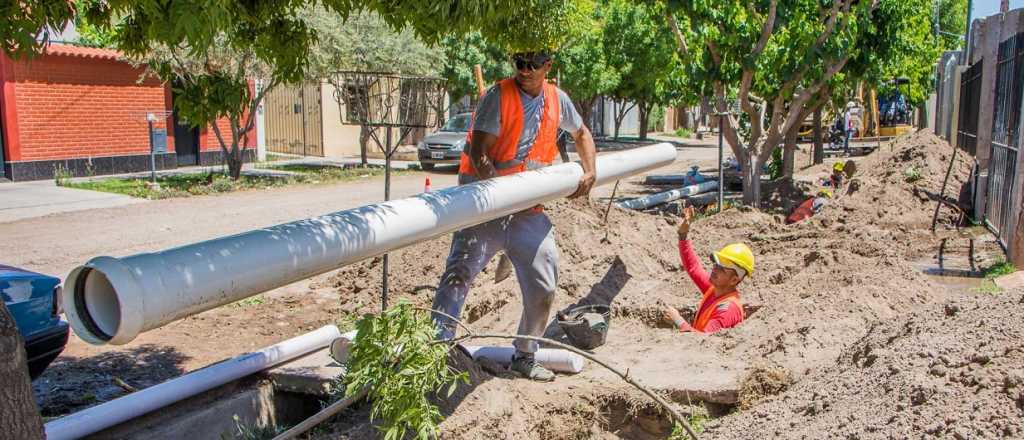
(525, 25)
(27, 25)
(395, 354)
(364, 41)
(462, 52)
(952, 23)
(781, 57)
(583, 68)
(639, 46)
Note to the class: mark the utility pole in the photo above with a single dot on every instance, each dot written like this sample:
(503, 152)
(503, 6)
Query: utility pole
(965, 60)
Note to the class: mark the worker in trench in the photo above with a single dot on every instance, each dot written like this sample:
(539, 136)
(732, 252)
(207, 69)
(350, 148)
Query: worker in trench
(720, 306)
(515, 129)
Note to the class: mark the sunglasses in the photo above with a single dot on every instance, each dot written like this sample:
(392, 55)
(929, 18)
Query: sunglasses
(534, 62)
(719, 266)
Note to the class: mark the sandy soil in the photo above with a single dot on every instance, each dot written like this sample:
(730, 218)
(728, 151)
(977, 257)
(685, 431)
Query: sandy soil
(847, 281)
(84, 375)
(822, 288)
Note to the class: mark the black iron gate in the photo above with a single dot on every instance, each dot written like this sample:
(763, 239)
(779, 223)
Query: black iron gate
(293, 120)
(970, 100)
(1002, 174)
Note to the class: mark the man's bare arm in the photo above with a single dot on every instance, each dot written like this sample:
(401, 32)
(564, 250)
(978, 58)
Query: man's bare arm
(588, 155)
(482, 141)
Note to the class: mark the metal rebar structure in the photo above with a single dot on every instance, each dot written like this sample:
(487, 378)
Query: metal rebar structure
(389, 101)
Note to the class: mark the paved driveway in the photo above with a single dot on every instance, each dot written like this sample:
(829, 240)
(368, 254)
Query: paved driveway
(23, 200)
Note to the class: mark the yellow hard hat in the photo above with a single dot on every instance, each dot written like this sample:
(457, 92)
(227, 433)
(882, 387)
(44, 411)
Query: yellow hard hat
(838, 166)
(735, 255)
(825, 193)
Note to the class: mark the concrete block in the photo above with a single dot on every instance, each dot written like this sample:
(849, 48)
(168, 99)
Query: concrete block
(313, 374)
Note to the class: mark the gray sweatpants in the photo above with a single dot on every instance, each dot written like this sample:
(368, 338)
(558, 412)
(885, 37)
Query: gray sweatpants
(529, 241)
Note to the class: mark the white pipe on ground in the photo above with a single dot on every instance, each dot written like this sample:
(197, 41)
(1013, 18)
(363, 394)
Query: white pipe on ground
(100, 417)
(668, 196)
(112, 300)
(562, 361)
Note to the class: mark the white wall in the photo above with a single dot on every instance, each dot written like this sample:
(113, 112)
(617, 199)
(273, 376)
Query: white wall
(630, 124)
(340, 140)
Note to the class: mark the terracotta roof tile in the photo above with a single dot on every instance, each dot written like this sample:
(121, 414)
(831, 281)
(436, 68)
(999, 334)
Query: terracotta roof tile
(83, 52)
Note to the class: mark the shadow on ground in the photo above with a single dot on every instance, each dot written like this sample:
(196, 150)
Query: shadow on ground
(72, 384)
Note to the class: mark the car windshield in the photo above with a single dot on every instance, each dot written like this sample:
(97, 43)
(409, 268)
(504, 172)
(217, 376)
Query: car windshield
(458, 123)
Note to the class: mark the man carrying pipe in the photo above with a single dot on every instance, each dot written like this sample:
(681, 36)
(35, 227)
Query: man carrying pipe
(515, 129)
(720, 306)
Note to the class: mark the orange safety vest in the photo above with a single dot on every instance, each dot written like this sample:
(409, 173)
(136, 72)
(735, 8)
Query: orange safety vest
(706, 310)
(503, 153)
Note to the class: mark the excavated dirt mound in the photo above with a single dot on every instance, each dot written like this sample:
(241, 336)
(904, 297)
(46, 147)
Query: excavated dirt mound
(948, 371)
(821, 287)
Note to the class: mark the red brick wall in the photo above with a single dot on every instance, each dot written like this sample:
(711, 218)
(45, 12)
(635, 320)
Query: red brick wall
(73, 107)
(209, 142)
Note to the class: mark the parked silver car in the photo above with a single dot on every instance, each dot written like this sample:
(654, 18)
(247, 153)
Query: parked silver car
(444, 147)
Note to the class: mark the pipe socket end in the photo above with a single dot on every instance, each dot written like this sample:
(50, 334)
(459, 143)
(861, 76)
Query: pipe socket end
(103, 302)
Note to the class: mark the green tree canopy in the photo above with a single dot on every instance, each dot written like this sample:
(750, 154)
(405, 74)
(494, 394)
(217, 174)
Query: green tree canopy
(640, 48)
(780, 58)
(364, 41)
(462, 52)
(583, 68)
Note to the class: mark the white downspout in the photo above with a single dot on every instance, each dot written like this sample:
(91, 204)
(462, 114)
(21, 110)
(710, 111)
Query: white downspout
(112, 300)
(261, 127)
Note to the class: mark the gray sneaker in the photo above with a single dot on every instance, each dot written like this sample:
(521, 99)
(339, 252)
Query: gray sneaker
(529, 368)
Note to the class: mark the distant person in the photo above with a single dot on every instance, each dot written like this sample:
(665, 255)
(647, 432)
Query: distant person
(515, 129)
(847, 129)
(720, 306)
(835, 180)
(809, 207)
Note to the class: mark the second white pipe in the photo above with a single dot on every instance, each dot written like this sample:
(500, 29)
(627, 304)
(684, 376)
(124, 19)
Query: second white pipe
(122, 409)
(562, 361)
(668, 196)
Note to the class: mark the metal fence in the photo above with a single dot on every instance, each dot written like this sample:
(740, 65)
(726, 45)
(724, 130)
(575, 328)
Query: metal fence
(293, 120)
(970, 100)
(1005, 138)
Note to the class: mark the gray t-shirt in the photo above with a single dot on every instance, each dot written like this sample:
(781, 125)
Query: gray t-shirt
(488, 116)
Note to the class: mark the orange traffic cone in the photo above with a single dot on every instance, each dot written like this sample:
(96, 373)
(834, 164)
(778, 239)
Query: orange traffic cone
(426, 185)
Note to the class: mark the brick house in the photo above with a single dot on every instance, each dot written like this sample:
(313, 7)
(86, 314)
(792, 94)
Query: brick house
(83, 109)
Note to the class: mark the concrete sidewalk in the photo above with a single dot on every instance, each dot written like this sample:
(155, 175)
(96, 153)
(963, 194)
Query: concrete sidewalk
(23, 200)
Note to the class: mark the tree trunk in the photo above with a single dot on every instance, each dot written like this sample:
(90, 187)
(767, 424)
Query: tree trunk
(645, 113)
(234, 160)
(819, 147)
(586, 108)
(751, 173)
(922, 116)
(789, 152)
(18, 414)
(364, 136)
(621, 109)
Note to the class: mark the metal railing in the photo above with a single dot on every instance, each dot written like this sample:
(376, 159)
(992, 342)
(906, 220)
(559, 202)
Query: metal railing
(1002, 175)
(970, 100)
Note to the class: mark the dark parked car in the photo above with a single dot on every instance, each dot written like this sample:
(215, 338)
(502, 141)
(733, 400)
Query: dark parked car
(34, 301)
(444, 147)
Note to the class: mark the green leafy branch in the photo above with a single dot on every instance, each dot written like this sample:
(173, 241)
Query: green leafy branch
(397, 361)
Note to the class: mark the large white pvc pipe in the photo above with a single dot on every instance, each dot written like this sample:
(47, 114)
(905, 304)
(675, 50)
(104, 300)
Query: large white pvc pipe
(668, 196)
(112, 300)
(125, 408)
(562, 361)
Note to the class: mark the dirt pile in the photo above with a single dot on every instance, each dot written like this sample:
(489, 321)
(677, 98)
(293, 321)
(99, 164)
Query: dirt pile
(949, 371)
(641, 252)
(820, 286)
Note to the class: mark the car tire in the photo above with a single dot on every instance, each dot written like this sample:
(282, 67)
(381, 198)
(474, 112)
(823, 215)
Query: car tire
(426, 166)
